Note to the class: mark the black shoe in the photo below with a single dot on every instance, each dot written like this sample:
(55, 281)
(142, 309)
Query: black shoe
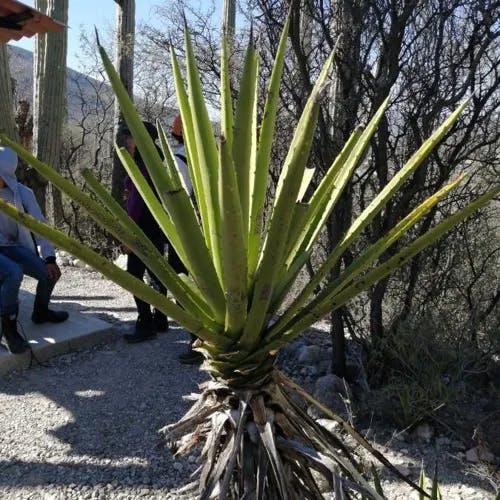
(40, 316)
(160, 321)
(191, 357)
(144, 330)
(15, 343)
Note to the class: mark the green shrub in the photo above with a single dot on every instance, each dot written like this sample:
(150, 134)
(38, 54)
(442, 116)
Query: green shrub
(418, 369)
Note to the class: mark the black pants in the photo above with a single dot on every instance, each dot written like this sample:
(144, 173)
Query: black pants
(137, 268)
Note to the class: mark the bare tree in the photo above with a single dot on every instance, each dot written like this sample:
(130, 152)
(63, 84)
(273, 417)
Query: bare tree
(347, 27)
(429, 55)
(89, 142)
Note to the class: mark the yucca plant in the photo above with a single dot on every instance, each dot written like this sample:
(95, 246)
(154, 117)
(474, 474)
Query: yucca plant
(435, 493)
(256, 439)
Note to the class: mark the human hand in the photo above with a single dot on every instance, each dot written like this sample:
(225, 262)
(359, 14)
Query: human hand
(54, 271)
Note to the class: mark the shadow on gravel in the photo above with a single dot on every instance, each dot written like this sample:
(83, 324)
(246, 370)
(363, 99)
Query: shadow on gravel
(66, 305)
(37, 474)
(115, 309)
(93, 417)
(65, 298)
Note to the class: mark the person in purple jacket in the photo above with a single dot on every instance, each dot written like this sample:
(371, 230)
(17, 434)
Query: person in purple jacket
(149, 322)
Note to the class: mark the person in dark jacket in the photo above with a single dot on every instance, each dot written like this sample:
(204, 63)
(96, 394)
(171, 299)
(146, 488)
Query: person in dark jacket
(149, 322)
(19, 255)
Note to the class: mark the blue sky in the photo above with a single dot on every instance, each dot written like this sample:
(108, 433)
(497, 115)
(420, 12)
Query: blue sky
(101, 13)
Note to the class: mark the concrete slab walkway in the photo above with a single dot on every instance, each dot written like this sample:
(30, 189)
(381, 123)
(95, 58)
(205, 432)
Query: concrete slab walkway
(80, 331)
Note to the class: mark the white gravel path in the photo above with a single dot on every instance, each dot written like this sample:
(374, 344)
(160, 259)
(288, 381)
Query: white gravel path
(85, 427)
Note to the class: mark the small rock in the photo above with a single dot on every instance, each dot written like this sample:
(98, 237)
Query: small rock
(330, 383)
(121, 261)
(472, 456)
(333, 393)
(63, 261)
(309, 354)
(178, 466)
(424, 432)
(479, 453)
(330, 425)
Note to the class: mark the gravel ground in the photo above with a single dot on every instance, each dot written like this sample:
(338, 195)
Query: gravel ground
(85, 427)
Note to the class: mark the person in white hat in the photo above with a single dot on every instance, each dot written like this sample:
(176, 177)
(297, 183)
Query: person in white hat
(19, 255)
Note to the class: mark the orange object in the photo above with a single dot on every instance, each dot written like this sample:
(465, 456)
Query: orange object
(177, 126)
(18, 20)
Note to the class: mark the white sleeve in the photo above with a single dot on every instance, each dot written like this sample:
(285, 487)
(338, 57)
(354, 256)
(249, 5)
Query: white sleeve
(184, 170)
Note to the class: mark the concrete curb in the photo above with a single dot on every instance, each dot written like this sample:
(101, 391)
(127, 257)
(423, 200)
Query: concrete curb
(79, 332)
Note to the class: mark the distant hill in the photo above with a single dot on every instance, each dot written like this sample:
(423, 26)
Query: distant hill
(80, 87)
(82, 94)
(21, 64)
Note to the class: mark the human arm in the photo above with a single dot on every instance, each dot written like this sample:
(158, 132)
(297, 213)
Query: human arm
(32, 207)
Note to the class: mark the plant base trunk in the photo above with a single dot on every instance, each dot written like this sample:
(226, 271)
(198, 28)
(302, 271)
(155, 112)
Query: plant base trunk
(259, 443)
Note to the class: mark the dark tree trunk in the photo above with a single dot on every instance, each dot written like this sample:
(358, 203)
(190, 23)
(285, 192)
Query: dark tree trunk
(347, 27)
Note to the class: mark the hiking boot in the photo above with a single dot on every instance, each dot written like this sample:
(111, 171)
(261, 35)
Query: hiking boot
(144, 330)
(191, 357)
(15, 343)
(40, 316)
(160, 321)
